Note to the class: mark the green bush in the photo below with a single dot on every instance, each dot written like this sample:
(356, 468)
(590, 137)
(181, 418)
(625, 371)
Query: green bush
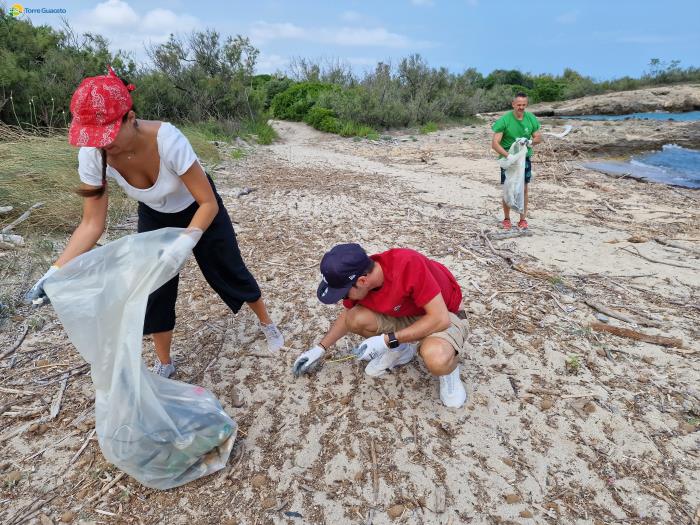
(428, 127)
(547, 90)
(272, 88)
(295, 101)
(323, 119)
(316, 114)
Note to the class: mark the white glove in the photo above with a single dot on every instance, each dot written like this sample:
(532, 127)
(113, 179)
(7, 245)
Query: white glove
(37, 295)
(524, 141)
(175, 254)
(308, 361)
(370, 348)
(506, 162)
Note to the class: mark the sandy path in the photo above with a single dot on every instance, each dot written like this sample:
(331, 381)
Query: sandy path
(614, 441)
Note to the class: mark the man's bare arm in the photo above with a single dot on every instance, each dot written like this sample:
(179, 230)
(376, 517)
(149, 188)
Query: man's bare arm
(337, 331)
(436, 319)
(496, 144)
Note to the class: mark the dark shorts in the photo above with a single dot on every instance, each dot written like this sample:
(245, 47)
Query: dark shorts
(217, 255)
(528, 172)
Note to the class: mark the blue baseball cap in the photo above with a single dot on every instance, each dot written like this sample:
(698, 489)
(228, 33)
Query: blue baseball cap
(341, 267)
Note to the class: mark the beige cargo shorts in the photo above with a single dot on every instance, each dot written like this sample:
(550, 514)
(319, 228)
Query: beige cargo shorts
(456, 334)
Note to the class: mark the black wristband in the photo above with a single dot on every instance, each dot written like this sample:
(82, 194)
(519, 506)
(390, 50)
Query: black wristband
(393, 341)
(324, 348)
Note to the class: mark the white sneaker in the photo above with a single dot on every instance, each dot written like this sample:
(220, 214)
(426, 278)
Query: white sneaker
(163, 370)
(275, 339)
(368, 354)
(391, 359)
(452, 392)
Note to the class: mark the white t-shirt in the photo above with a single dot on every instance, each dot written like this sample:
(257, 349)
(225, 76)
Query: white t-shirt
(168, 194)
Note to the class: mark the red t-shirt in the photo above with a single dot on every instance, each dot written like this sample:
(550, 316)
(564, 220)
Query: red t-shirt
(411, 280)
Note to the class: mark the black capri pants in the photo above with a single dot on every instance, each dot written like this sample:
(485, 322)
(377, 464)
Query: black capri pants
(217, 255)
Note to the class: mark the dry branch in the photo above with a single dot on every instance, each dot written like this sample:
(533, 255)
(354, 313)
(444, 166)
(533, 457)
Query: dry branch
(375, 474)
(17, 344)
(673, 244)
(638, 336)
(21, 218)
(17, 401)
(619, 315)
(651, 259)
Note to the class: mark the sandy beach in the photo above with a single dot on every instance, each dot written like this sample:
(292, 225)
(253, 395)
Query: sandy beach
(565, 424)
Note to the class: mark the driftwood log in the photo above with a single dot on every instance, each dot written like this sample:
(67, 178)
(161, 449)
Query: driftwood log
(638, 336)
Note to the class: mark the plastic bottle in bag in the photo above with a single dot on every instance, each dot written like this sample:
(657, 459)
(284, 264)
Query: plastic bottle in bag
(162, 432)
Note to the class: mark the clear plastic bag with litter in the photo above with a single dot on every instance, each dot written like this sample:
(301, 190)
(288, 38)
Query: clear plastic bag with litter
(514, 186)
(162, 432)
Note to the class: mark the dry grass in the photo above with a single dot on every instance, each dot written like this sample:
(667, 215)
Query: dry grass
(40, 168)
(44, 169)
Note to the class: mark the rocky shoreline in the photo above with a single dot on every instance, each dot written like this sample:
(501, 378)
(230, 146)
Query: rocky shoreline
(622, 137)
(678, 98)
(598, 138)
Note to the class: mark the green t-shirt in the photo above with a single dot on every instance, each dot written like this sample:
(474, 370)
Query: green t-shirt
(512, 128)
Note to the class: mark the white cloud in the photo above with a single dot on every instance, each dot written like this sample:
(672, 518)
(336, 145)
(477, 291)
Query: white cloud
(569, 17)
(265, 31)
(164, 20)
(262, 32)
(271, 63)
(114, 13)
(130, 31)
(352, 36)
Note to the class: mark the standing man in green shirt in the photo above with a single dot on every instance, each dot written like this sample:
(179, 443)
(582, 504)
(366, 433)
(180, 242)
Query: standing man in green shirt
(515, 125)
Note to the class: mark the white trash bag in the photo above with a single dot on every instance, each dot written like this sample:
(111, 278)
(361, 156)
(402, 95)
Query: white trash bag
(514, 186)
(162, 432)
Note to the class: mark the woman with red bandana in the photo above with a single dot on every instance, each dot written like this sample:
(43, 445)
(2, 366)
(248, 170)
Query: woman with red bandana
(155, 164)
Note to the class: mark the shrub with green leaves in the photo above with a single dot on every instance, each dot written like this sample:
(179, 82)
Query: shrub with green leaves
(296, 101)
(272, 88)
(323, 119)
(428, 127)
(547, 89)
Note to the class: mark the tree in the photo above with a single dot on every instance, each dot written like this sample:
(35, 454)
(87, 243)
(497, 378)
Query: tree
(214, 79)
(40, 68)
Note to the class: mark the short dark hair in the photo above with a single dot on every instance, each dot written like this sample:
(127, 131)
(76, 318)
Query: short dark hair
(520, 94)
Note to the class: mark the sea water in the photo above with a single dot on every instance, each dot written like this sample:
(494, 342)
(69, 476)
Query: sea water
(656, 115)
(673, 165)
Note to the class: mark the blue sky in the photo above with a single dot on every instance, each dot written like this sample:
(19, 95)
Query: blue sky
(603, 39)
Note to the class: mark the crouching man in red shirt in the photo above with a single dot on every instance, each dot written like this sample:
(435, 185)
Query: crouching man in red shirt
(400, 301)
